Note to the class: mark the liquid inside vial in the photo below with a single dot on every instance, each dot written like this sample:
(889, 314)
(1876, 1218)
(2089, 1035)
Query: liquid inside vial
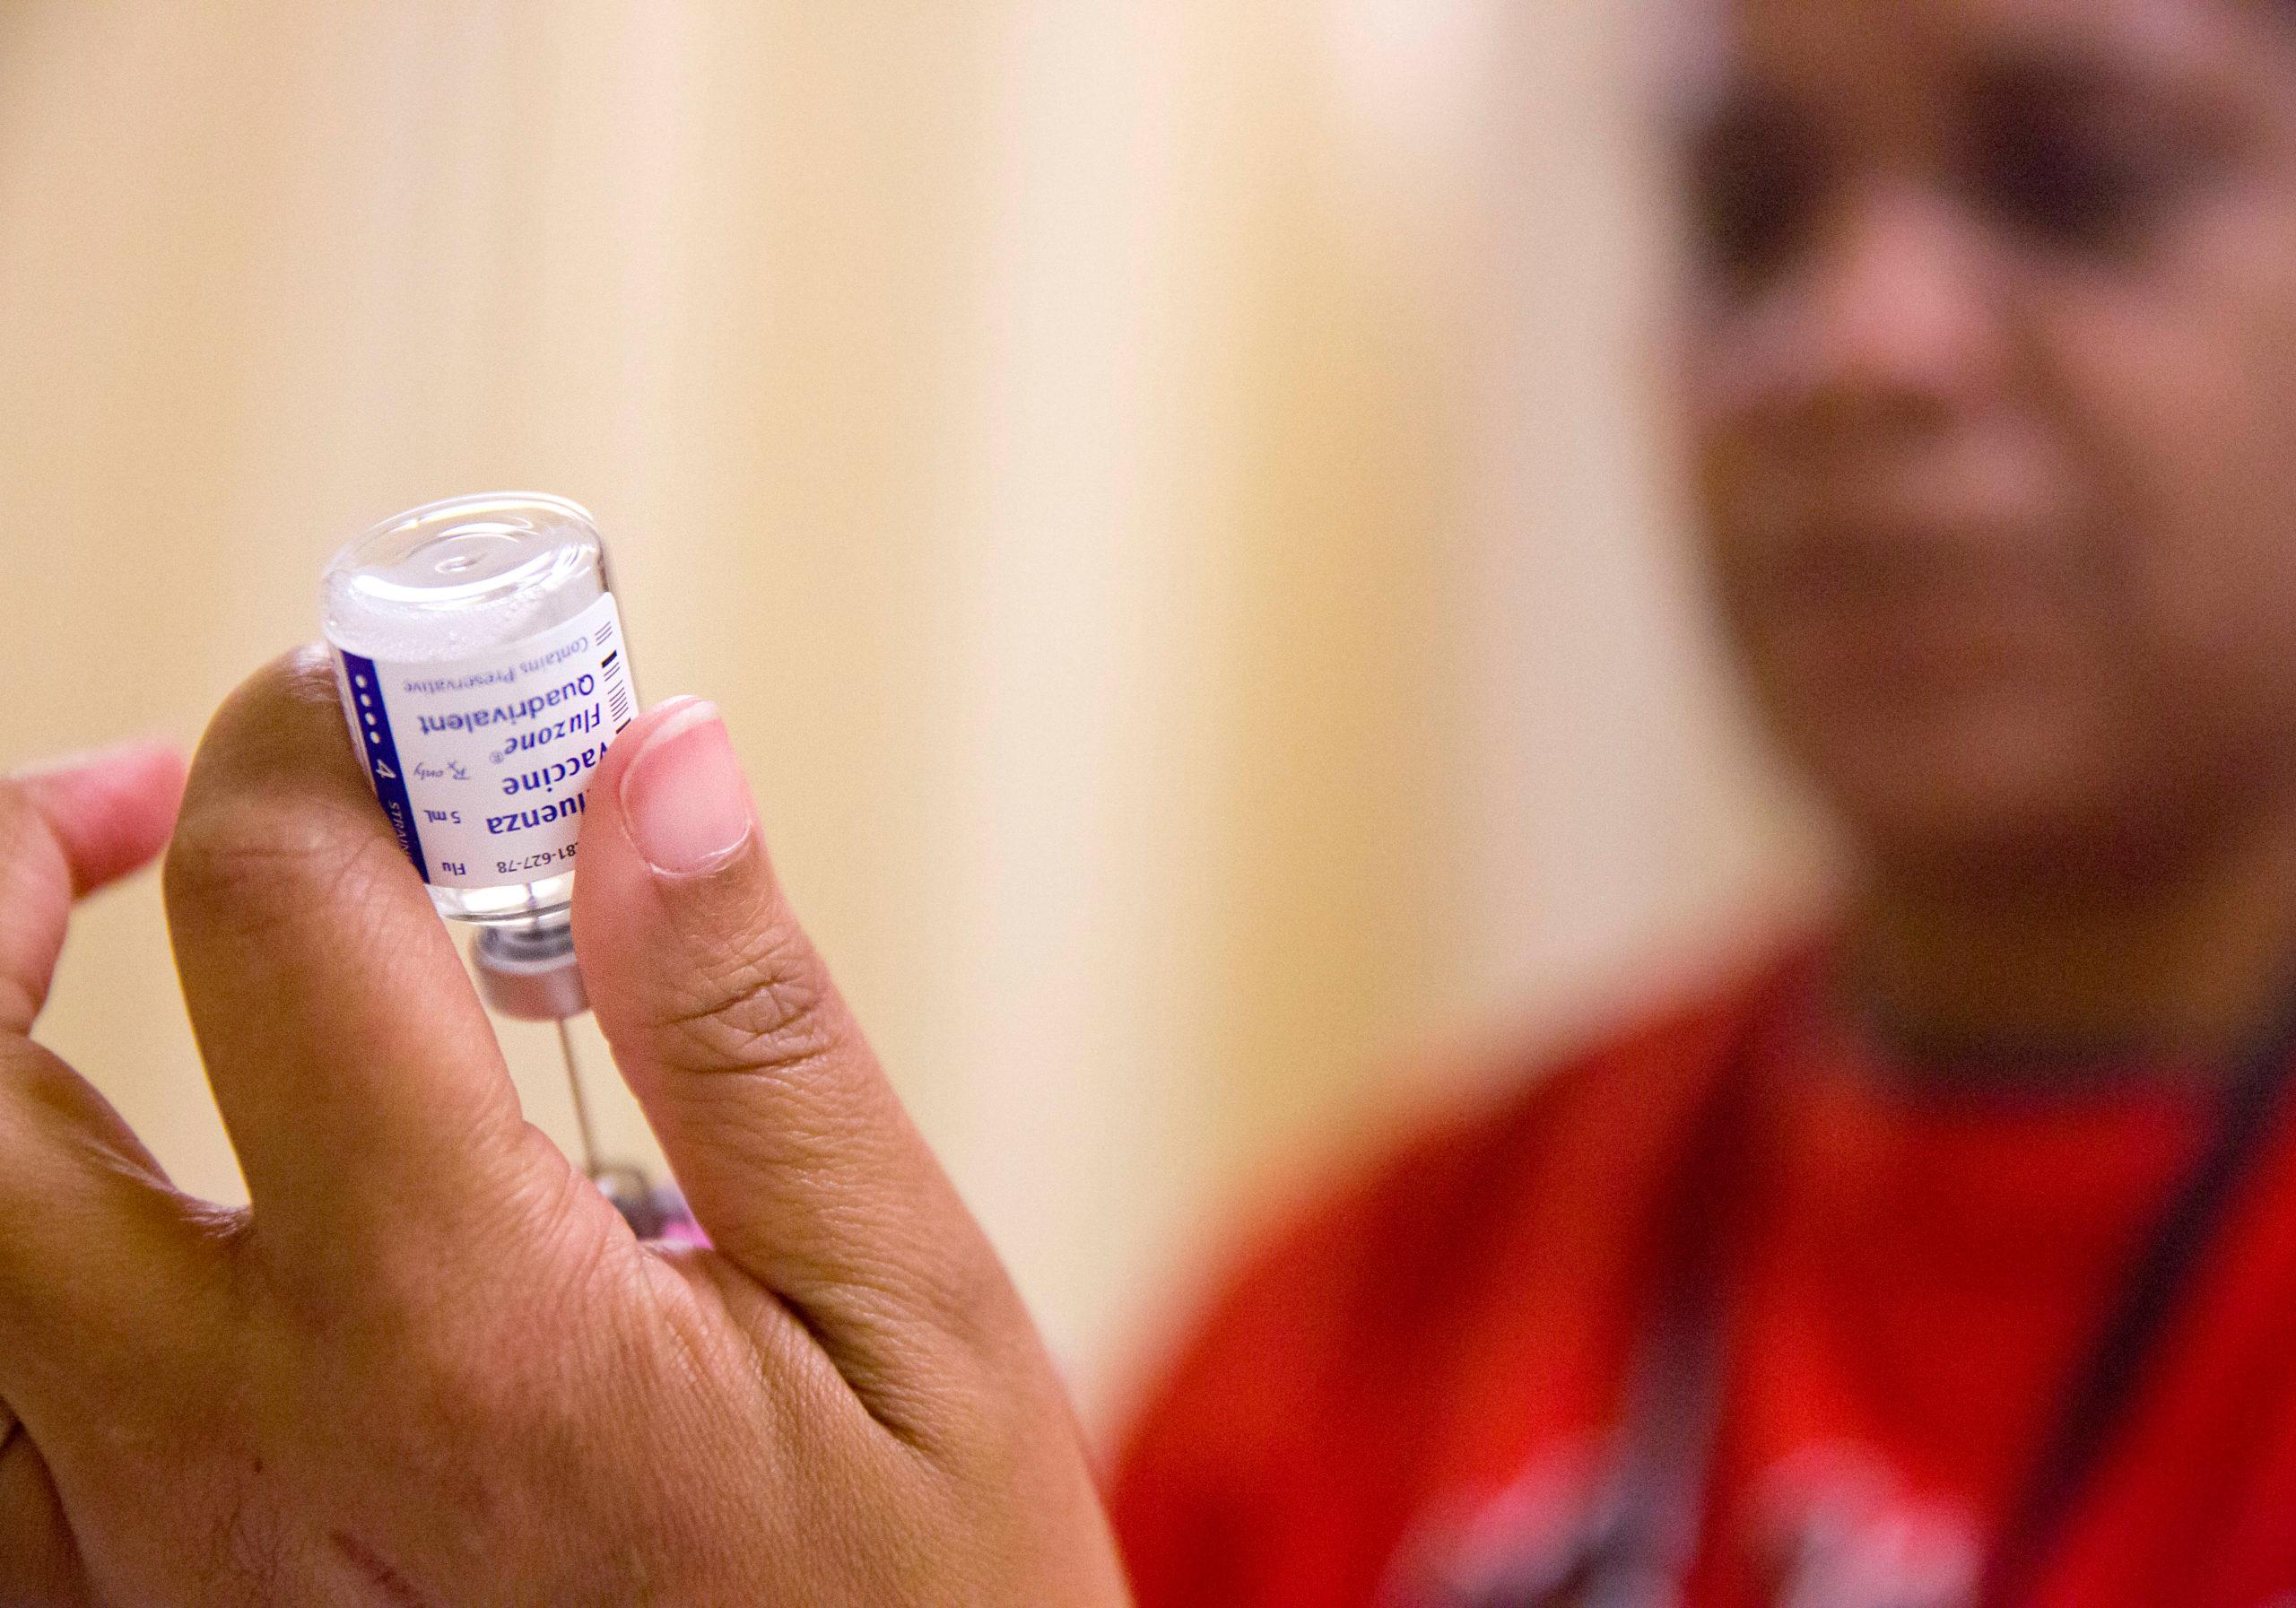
(479, 652)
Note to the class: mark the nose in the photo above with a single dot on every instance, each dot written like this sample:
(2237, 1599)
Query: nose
(1889, 329)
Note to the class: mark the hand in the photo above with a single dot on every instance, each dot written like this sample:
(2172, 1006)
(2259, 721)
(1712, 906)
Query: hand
(429, 1365)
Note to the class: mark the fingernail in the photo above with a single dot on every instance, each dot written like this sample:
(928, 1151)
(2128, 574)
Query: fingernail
(683, 796)
(135, 749)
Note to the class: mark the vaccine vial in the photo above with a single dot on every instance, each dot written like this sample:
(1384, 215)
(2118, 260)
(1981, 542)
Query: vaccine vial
(480, 657)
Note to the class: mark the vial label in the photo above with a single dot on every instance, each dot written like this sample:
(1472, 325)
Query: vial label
(482, 765)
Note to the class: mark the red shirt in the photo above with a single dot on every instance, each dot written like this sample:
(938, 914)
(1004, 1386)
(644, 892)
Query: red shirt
(1417, 1387)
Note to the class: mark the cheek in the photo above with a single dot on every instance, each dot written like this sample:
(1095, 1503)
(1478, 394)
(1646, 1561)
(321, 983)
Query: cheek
(2182, 400)
(1717, 375)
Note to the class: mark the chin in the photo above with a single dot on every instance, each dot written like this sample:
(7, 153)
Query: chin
(2006, 796)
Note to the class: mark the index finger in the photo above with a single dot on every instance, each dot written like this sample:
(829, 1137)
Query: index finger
(74, 824)
(357, 1075)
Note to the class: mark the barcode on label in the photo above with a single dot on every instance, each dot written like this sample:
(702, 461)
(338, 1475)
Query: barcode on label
(616, 675)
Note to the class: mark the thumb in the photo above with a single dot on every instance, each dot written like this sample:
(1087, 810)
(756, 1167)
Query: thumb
(790, 1144)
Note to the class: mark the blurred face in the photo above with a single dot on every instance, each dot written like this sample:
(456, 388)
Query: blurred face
(1992, 373)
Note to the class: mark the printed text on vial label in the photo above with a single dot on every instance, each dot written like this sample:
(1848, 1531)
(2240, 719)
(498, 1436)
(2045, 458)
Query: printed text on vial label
(449, 745)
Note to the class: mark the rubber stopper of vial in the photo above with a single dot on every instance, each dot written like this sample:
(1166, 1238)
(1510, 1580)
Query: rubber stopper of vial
(529, 973)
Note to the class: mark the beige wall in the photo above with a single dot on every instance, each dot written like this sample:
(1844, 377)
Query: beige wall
(1159, 491)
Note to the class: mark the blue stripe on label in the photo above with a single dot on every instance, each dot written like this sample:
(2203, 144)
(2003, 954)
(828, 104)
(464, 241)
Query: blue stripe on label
(374, 721)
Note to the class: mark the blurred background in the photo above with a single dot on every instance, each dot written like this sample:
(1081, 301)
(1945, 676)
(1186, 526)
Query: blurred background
(1172, 499)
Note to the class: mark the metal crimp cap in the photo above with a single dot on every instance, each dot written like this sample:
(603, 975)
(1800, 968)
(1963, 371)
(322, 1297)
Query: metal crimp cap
(529, 973)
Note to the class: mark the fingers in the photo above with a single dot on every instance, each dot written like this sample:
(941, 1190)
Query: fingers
(38, 1563)
(95, 1250)
(356, 1073)
(790, 1144)
(67, 828)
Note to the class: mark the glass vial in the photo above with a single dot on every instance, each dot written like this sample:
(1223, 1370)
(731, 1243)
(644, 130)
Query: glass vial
(479, 652)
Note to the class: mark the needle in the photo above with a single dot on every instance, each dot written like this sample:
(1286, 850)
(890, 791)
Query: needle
(581, 1102)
